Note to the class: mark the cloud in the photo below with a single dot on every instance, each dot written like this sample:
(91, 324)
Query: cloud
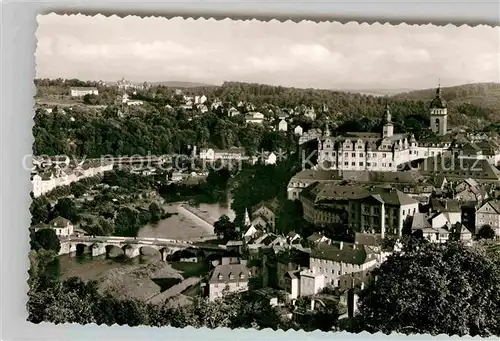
(324, 55)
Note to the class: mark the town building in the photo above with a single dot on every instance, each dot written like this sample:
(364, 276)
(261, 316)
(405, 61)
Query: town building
(489, 214)
(61, 226)
(264, 215)
(134, 102)
(298, 130)
(340, 262)
(439, 114)
(200, 99)
(282, 125)
(359, 208)
(228, 278)
(254, 117)
(57, 176)
(82, 91)
(233, 112)
(478, 149)
(311, 283)
(211, 154)
(385, 151)
(457, 169)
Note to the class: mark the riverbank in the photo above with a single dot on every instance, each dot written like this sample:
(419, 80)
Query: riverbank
(187, 222)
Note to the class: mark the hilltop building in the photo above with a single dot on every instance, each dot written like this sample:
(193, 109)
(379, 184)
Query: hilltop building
(82, 91)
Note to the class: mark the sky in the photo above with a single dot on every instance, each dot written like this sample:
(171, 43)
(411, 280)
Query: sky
(305, 54)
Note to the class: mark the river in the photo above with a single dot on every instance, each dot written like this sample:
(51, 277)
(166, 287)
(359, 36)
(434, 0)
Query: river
(183, 225)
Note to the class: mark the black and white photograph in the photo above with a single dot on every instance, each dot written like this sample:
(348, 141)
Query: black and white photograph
(249, 174)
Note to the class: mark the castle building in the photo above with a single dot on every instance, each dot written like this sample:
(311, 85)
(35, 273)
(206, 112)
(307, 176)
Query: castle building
(367, 151)
(439, 114)
(384, 151)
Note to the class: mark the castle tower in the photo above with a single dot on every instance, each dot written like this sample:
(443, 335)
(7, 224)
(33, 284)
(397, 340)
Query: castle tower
(439, 114)
(327, 127)
(388, 128)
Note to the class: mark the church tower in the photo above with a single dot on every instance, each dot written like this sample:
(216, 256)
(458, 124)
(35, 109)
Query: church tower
(388, 128)
(439, 114)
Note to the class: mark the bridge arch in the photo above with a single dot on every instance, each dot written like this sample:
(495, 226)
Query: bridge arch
(82, 249)
(114, 250)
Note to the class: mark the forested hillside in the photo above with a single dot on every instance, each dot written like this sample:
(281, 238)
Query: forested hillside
(479, 102)
(161, 125)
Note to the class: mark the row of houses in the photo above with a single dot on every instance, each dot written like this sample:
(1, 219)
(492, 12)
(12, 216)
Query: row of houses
(56, 176)
(236, 154)
(282, 263)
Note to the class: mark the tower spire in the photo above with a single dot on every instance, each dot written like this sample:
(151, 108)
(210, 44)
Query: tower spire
(327, 127)
(387, 112)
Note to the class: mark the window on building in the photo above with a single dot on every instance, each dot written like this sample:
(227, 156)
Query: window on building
(361, 154)
(353, 163)
(390, 164)
(353, 154)
(346, 154)
(346, 163)
(361, 163)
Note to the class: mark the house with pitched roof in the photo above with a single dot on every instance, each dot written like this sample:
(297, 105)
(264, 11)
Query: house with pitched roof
(282, 125)
(489, 214)
(457, 169)
(61, 226)
(340, 261)
(228, 278)
(264, 214)
(434, 226)
(470, 190)
(359, 208)
(213, 154)
(254, 117)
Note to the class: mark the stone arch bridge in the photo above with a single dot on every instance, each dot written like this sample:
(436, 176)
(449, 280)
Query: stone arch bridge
(132, 247)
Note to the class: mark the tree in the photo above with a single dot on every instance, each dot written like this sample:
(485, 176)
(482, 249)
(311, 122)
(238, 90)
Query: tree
(225, 228)
(486, 232)
(39, 210)
(431, 288)
(66, 208)
(155, 212)
(45, 239)
(127, 222)
(78, 189)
